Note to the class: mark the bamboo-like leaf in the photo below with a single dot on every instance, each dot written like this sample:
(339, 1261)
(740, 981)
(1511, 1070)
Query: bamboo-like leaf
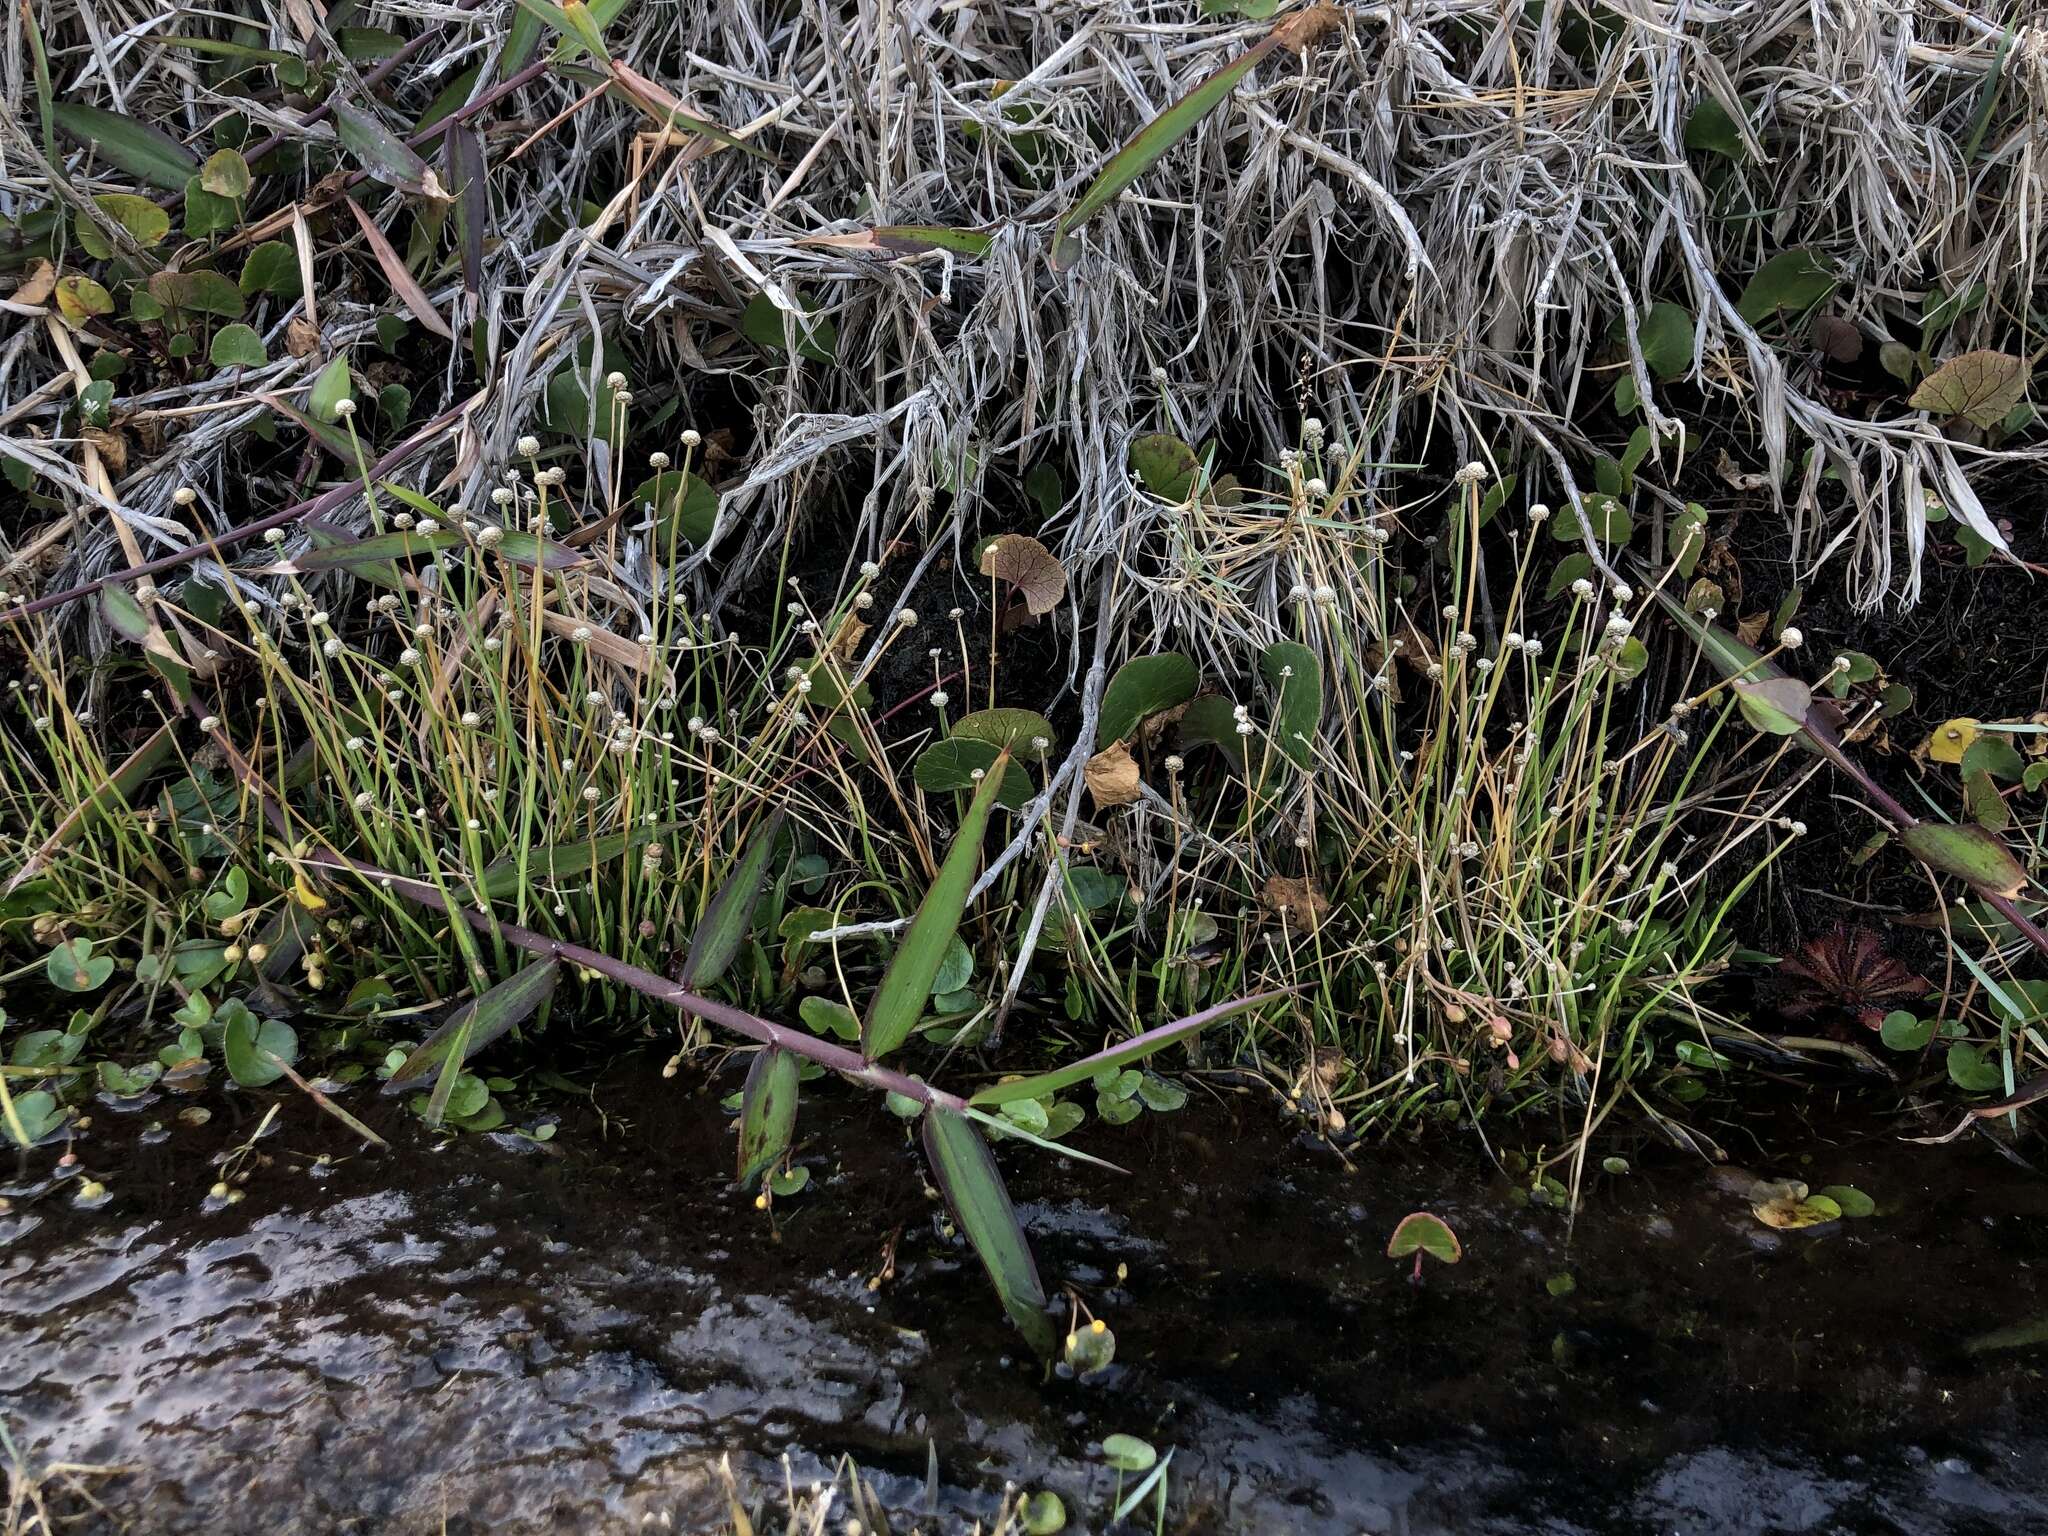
(724, 926)
(1968, 852)
(1776, 706)
(909, 240)
(143, 151)
(564, 861)
(973, 1186)
(465, 150)
(899, 1001)
(1821, 723)
(478, 1022)
(1135, 1049)
(767, 1112)
(1178, 121)
(402, 282)
(381, 152)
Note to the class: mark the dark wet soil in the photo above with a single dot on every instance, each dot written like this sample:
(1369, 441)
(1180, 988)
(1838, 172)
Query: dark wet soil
(478, 1334)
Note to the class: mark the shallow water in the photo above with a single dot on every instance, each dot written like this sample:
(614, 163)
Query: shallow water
(479, 1334)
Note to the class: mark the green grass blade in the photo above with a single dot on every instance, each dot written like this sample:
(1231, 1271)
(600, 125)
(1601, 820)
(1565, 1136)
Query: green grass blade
(767, 1112)
(1179, 120)
(477, 1023)
(726, 921)
(144, 152)
(907, 984)
(967, 1175)
(1116, 1057)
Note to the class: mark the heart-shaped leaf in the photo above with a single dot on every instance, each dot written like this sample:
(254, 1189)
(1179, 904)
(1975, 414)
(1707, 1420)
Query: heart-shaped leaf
(1421, 1232)
(73, 967)
(1029, 566)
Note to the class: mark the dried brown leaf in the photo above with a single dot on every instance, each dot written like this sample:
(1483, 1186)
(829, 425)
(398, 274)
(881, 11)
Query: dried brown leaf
(1112, 775)
(1297, 902)
(1030, 567)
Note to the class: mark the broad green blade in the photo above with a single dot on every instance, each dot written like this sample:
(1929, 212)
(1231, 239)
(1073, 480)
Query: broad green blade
(1294, 674)
(899, 1002)
(767, 1112)
(144, 152)
(478, 1022)
(381, 152)
(564, 861)
(1117, 1056)
(967, 1175)
(725, 923)
(1968, 852)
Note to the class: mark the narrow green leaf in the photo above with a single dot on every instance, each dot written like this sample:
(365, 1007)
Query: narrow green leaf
(767, 1112)
(899, 1001)
(141, 150)
(724, 926)
(1178, 121)
(479, 1021)
(1144, 686)
(330, 389)
(967, 1174)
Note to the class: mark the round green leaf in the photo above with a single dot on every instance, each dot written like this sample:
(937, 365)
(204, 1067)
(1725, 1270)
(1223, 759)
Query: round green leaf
(1902, 1032)
(237, 346)
(247, 1043)
(1851, 1201)
(1972, 1070)
(1144, 686)
(1127, 1453)
(36, 1114)
(73, 967)
(1167, 465)
(225, 174)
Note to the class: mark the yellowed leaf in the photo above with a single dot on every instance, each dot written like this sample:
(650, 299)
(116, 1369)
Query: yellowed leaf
(302, 889)
(1112, 775)
(1981, 387)
(1951, 739)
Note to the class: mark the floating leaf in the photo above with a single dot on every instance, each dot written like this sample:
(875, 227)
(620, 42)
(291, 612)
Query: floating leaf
(1980, 387)
(1968, 852)
(1972, 1070)
(73, 967)
(1786, 1206)
(767, 1113)
(237, 346)
(80, 298)
(952, 765)
(1852, 1201)
(1017, 731)
(1791, 281)
(1043, 1512)
(225, 174)
(1167, 465)
(1421, 1232)
(1127, 1453)
(966, 1172)
(146, 223)
(480, 1021)
(32, 1116)
(1144, 686)
(726, 922)
(248, 1043)
(1030, 567)
(1294, 674)
(899, 1001)
(1665, 335)
(137, 148)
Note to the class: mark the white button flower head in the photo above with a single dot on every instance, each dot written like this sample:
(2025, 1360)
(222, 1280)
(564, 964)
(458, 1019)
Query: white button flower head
(491, 537)
(1582, 589)
(657, 461)
(869, 570)
(501, 496)
(940, 699)
(1245, 728)
(580, 633)
(864, 600)
(1474, 473)
(1327, 596)
(273, 536)
(471, 719)
(1511, 641)
(615, 380)
(1622, 591)
(1538, 511)
(1842, 664)
(1791, 638)
(527, 446)
(184, 496)
(1175, 763)
(692, 438)
(1299, 592)
(344, 408)
(408, 657)
(1317, 487)
(493, 643)
(906, 617)
(331, 646)
(210, 723)
(1040, 745)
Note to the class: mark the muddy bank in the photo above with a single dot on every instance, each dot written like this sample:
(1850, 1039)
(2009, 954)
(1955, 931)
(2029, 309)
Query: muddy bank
(482, 1334)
